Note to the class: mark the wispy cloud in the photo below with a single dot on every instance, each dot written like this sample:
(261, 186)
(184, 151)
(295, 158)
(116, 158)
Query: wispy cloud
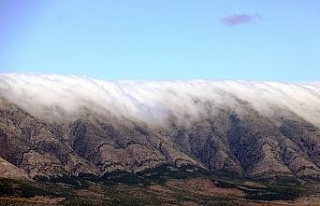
(58, 98)
(64, 18)
(239, 19)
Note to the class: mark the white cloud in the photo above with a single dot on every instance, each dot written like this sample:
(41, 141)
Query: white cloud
(55, 97)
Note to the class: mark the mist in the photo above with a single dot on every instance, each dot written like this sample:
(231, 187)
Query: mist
(57, 98)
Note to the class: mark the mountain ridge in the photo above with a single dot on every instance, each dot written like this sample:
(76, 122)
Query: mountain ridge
(203, 126)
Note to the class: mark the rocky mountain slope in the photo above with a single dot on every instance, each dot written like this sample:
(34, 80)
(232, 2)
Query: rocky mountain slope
(56, 125)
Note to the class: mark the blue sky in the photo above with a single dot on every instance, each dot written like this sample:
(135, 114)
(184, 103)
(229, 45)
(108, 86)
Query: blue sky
(151, 39)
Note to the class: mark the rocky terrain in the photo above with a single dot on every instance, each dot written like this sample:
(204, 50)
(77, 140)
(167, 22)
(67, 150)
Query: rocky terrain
(251, 145)
(229, 137)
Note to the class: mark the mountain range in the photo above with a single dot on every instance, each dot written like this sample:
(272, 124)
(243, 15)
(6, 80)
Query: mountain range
(55, 126)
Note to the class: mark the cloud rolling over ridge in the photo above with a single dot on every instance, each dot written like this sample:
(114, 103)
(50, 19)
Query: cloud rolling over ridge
(56, 97)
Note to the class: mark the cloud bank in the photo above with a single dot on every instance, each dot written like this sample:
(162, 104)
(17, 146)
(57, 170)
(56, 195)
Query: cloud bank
(59, 97)
(239, 19)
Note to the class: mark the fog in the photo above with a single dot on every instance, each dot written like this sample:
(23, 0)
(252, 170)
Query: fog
(57, 97)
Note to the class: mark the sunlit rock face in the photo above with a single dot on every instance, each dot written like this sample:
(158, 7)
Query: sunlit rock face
(52, 125)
